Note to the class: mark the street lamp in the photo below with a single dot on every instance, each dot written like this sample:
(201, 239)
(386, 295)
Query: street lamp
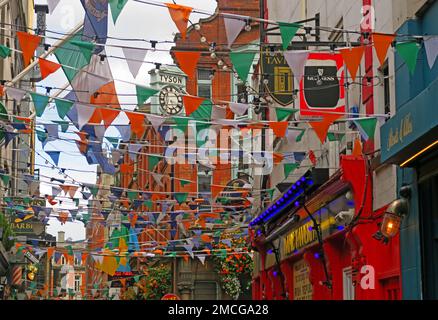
(395, 213)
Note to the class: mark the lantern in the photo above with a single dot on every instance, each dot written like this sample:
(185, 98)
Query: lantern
(393, 217)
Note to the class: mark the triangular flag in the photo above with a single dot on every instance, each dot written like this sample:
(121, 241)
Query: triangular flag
(15, 93)
(108, 116)
(86, 48)
(192, 103)
(152, 162)
(181, 123)
(157, 177)
(312, 157)
(409, 52)
(116, 7)
(288, 32)
(137, 123)
(143, 94)
(202, 259)
(233, 27)
(40, 102)
(283, 113)
(321, 127)
(289, 167)
(28, 43)
(54, 155)
(382, 43)
(187, 61)
(84, 114)
(296, 59)
(180, 15)
(352, 58)
(63, 107)
(366, 127)
(156, 121)
(357, 148)
(5, 51)
(125, 132)
(181, 197)
(184, 182)
(431, 46)
(216, 190)
(279, 128)
(242, 62)
(52, 5)
(134, 58)
(47, 67)
(239, 108)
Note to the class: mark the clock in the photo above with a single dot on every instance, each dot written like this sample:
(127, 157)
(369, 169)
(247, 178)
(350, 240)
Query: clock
(171, 101)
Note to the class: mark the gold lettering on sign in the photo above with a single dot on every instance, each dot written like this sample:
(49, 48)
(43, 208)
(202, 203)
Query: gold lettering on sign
(397, 135)
(299, 238)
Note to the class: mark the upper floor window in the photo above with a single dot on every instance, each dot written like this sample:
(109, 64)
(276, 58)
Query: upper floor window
(204, 83)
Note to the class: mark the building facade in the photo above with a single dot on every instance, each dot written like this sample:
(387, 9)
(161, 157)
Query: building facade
(409, 140)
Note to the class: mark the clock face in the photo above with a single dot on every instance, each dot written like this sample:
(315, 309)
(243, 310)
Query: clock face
(171, 101)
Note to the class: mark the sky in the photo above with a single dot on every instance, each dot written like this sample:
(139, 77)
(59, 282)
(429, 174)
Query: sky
(137, 21)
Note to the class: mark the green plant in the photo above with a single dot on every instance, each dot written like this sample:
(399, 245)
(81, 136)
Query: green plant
(7, 239)
(158, 282)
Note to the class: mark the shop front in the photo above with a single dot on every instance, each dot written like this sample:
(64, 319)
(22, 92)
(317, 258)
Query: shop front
(324, 246)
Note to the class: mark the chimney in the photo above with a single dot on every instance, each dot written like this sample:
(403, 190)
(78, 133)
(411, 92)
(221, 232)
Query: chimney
(61, 236)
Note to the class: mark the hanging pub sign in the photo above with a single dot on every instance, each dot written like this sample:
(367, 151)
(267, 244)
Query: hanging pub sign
(280, 84)
(322, 87)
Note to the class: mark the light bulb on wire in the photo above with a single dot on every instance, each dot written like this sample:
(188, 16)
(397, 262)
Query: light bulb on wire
(203, 39)
(248, 25)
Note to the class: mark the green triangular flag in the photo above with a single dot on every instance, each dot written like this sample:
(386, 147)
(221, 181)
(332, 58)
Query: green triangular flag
(283, 113)
(204, 111)
(289, 167)
(63, 107)
(114, 141)
(148, 203)
(94, 190)
(288, 32)
(199, 127)
(26, 200)
(68, 56)
(69, 250)
(182, 123)
(40, 102)
(242, 62)
(85, 47)
(335, 136)
(5, 51)
(366, 127)
(144, 93)
(184, 182)
(181, 197)
(300, 136)
(132, 195)
(64, 125)
(172, 254)
(5, 178)
(409, 53)
(41, 135)
(153, 161)
(117, 7)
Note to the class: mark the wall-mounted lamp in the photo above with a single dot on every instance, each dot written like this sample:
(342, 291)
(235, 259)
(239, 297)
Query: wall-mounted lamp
(395, 213)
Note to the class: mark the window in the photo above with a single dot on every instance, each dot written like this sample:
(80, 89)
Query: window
(204, 83)
(391, 288)
(387, 97)
(78, 283)
(242, 93)
(206, 290)
(62, 260)
(78, 261)
(347, 276)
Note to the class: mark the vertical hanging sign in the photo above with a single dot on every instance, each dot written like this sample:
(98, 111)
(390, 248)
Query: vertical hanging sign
(322, 90)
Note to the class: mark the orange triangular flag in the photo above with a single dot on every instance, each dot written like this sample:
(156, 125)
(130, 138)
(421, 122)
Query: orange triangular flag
(82, 146)
(82, 135)
(2, 90)
(106, 96)
(357, 148)
(84, 258)
(126, 168)
(108, 116)
(65, 188)
(279, 128)
(28, 43)
(188, 61)
(96, 118)
(352, 58)
(180, 15)
(137, 123)
(47, 67)
(278, 158)
(206, 238)
(381, 45)
(215, 190)
(50, 252)
(321, 127)
(191, 104)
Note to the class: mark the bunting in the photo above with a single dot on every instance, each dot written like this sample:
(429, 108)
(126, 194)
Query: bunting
(144, 93)
(187, 61)
(47, 67)
(40, 102)
(180, 16)
(321, 127)
(366, 127)
(431, 46)
(409, 53)
(28, 43)
(352, 58)
(116, 8)
(192, 103)
(382, 43)
(242, 62)
(233, 27)
(288, 32)
(296, 59)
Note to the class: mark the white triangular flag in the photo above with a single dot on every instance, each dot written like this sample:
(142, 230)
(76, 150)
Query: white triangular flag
(14, 93)
(99, 131)
(239, 108)
(56, 191)
(133, 149)
(209, 225)
(202, 259)
(157, 177)
(296, 59)
(52, 5)
(228, 122)
(115, 155)
(233, 27)
(431, 46)
(84, 114)
(218, 112)
(156, 121)
(134, 58)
